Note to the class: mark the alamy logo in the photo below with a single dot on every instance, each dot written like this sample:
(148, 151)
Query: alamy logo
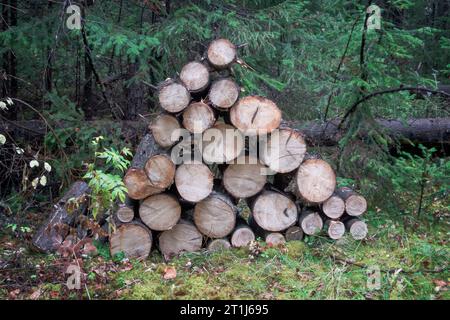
(74, 20)
(74, 280)
(374, 20)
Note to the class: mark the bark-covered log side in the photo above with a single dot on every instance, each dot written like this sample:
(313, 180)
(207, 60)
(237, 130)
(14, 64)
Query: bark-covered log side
(52, 232)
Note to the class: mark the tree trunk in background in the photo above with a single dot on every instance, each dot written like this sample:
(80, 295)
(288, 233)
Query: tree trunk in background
(134, 91)
(9, 78)
(87, 102)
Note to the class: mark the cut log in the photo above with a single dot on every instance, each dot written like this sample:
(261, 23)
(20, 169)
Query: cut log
(355, 204)
(223, 93)
(133, 239)
(275, 238)
(310, 222)
(294, 233)
(221, 53)
(165, 130)
(124, 214)
(138, 184)
(254, 115)
(284, 150)
(242, 236)
(198, 117)
(244, 178)
(160, 171)
(218, 245)
(215, 216)
(333, 207)
(357, 228)
(335, 229)
(160, 212)
(315, 181)
(194, 182)
(174, 97)
(274, 211)
(53, 231)
(195, 76)
(183, 237)
(222, 143)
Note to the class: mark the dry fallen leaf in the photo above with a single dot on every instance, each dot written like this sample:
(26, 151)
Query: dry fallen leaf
(36, 294)
(170, 273)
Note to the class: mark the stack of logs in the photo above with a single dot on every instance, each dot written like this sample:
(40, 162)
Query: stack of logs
(185, 206)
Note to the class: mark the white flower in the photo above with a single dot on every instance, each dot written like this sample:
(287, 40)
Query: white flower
(47, 167)
(43, 181)
(34, 163)
(2, 139)
(9, 101)
(35, 182)
(3, 106)
(19, 150)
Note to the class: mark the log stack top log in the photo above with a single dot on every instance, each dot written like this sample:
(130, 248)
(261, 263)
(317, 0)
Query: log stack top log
(221, 53)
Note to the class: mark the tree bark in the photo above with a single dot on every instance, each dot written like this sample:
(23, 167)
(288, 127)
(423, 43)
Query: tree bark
(294, 233)
(52, 233)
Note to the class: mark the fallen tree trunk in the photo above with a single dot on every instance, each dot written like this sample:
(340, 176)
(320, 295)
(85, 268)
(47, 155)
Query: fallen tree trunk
(427, 131)
(52, 233)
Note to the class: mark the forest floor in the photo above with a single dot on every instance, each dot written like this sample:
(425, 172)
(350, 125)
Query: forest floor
(412, 263)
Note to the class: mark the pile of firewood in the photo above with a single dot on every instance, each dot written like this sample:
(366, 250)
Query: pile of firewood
(186, 205)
